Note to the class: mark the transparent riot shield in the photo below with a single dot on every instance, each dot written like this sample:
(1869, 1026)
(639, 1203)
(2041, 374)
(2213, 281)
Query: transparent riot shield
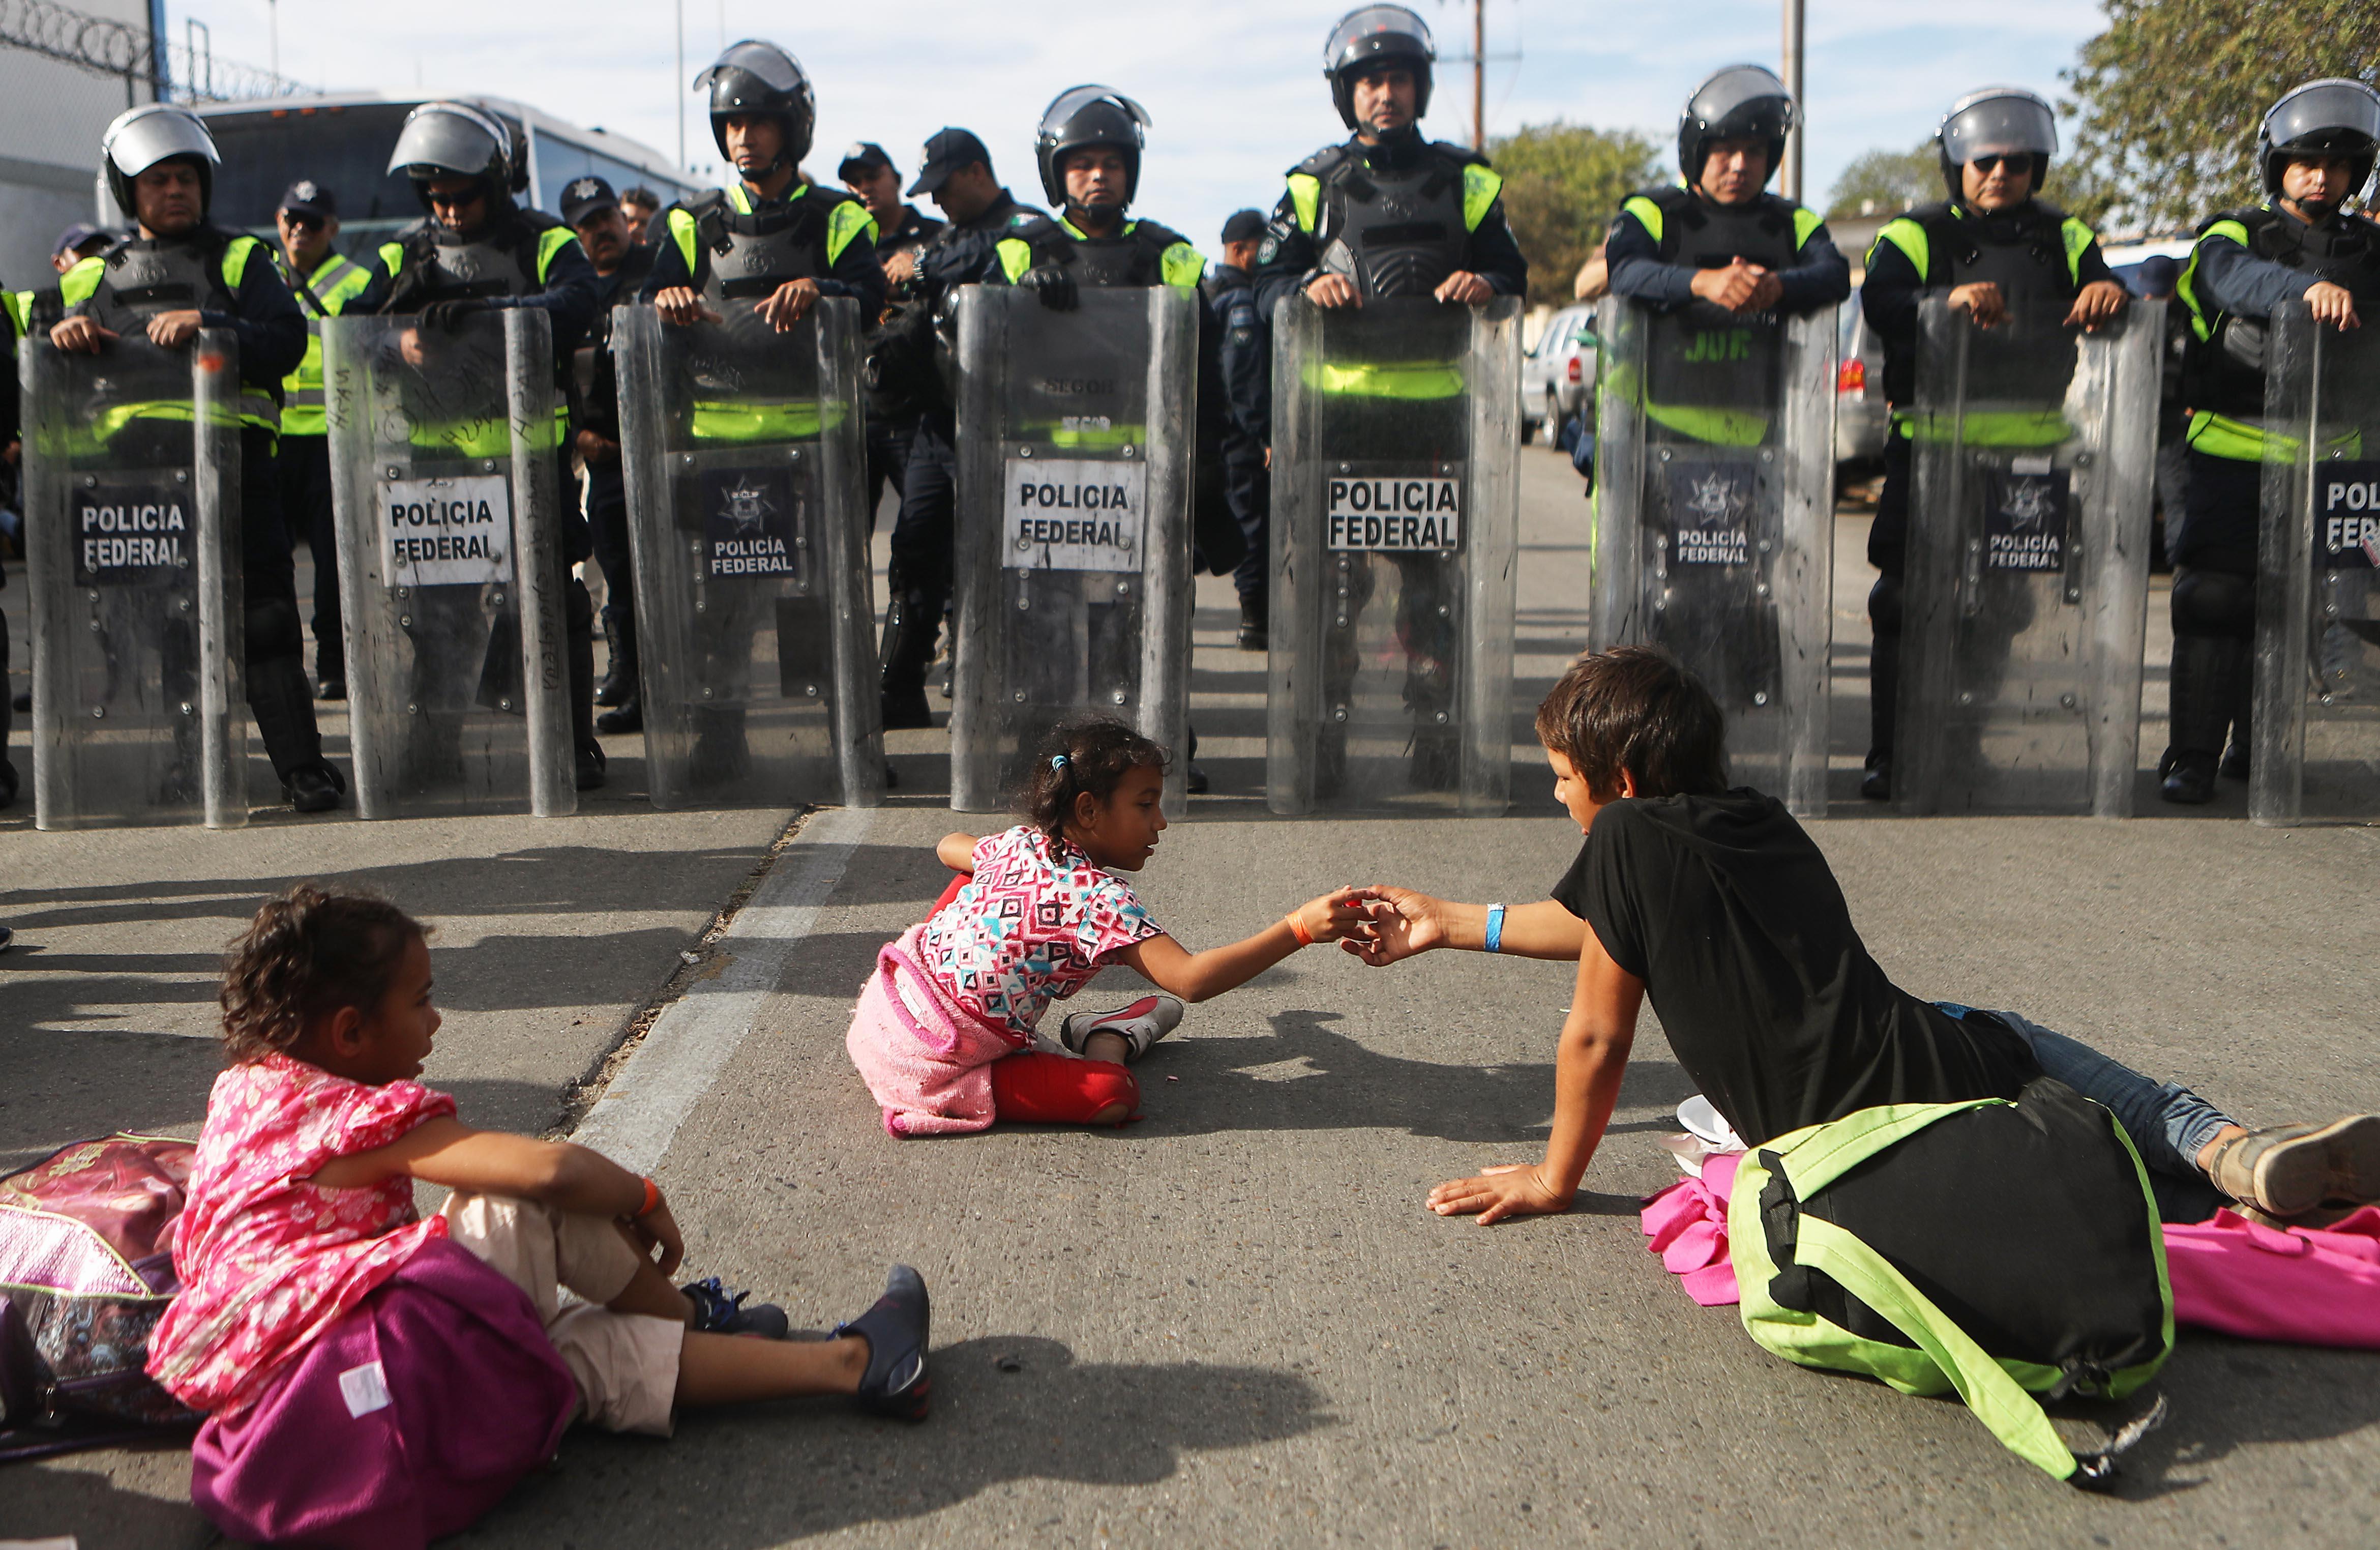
(1073, 527)
(2026, 587)
(445, 459)
(747, 488)
(131, 506)
(1715, 521)
(1396, 514)
(2315, 750)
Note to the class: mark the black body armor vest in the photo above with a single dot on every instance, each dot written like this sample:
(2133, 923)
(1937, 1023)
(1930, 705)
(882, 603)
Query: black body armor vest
(145, 276)
(1702, 235)
(2020, 250)
(750, 254)
(1130, 258)
(1392, 230)
(2225, 371)
(499, 260)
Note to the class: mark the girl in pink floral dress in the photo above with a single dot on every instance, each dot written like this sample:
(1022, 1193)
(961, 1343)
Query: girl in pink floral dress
(948, 1034)
(322, 1323)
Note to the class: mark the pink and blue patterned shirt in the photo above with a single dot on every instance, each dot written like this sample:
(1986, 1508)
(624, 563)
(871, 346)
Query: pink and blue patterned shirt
(1036, 922)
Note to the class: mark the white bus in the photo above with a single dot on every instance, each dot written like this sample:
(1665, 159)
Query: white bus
(343, 142)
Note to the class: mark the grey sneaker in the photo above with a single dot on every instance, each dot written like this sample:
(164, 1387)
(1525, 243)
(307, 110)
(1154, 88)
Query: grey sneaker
(1140, 1024)
(2288, 1171)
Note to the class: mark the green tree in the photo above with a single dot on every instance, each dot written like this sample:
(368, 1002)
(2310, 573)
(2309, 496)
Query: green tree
(1562, 184)
(1886, 182)
(2167, 100)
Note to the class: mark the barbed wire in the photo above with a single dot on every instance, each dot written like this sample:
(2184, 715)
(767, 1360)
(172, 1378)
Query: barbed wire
(114, 48)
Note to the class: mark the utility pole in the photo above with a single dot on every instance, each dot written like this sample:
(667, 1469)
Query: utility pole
(1479, 75)
(1792, 181)
(677, 98)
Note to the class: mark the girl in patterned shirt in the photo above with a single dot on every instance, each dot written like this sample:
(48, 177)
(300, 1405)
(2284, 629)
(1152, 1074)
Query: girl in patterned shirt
(299, 1245)
(948, 1033)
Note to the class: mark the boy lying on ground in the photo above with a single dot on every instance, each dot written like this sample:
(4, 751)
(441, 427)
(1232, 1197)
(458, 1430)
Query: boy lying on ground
(1718, 905)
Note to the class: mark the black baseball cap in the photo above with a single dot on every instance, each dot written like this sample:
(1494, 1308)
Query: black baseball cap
(1244, 226)
(946, 151)
(76, 237)
(865, 155)
(307, 197)
(581, 197)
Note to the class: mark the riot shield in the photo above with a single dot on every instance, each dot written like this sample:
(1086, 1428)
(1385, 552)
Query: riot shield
(1715, 522)
(2315, 752)
(1073, 527)
(2026, 587)
(444, 449)
(1395, 516)
(131, 506)
(746, 485)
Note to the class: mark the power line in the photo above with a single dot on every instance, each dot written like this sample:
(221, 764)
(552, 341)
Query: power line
(176, 72)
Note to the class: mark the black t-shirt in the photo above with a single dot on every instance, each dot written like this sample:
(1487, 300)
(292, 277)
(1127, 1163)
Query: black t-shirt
(1730, 916)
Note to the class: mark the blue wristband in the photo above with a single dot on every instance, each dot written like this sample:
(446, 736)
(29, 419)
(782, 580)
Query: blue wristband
(1495, 928)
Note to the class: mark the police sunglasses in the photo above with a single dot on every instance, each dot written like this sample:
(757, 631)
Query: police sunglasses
(459, 201)
(303, 222)
(2021, 161)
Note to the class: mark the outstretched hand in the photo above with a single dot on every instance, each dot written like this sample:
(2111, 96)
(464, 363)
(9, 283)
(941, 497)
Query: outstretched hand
(1397, 924)
(1337, 916)
(1509, 1189)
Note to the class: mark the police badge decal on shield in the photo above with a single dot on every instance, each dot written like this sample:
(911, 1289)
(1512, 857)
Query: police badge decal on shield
(748, 520)
(2024, 515)
(1710, 508)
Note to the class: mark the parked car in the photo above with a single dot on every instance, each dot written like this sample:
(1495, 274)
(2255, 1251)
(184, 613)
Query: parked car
(1557, 374)
(1860, 418)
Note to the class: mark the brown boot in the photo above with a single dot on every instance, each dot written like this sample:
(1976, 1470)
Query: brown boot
(2288, 1171)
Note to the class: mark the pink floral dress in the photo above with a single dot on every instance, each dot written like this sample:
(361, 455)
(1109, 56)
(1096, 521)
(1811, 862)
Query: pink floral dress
(1038, 920)
(267, 1259)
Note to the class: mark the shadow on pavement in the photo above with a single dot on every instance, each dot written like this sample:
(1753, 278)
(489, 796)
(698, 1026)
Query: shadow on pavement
(2228, 1394)
(1009, 1410)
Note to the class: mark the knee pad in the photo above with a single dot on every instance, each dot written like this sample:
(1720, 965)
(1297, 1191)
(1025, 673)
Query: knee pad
(2213, 603)
(1884, 606)
(274, 629)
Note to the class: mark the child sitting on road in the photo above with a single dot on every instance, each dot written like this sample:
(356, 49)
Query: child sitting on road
(372, 1376)
(947, 1032)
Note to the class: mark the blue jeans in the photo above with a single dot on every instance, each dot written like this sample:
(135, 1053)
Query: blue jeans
(2168, 1122)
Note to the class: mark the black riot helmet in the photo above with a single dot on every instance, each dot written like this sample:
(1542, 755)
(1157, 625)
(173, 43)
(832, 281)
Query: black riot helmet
(1371, 36)
(155, 132)
(1740, 101)
(1996, 121)
(455, 139)
(1085, 116)
(755, 78)
(2331, 117)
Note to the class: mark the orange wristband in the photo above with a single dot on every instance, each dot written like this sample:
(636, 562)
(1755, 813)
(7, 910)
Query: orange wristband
(653, 1199)
(1297, 928)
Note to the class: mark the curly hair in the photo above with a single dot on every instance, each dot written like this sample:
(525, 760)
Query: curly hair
(1634, 709)
(1090, 756)
(307, 953)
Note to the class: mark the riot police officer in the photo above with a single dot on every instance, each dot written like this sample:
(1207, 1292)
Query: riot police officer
(1992, 245)
(622, 261)
(1244, 373)
(324, 282)
(956, 172)
(1088, 148)
(894, 403)
(1722, 238)
(1387, 214)
(477, 251)
(2314, 151)
(178, 274)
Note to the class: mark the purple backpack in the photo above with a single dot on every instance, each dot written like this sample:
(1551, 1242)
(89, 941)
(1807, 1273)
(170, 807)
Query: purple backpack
(86, 1262)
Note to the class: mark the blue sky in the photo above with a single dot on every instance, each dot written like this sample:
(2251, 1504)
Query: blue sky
(1233, 86)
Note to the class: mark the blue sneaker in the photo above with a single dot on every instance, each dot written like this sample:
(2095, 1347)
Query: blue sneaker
(897, 1330)
(719, 1311)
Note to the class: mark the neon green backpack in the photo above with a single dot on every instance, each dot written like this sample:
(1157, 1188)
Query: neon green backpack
(2003, 1249)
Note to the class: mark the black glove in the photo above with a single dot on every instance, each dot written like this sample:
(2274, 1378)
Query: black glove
(1053, 286)
(449, 316)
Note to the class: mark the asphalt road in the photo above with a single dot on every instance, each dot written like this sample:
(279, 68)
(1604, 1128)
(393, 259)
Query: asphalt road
(1233, 1321)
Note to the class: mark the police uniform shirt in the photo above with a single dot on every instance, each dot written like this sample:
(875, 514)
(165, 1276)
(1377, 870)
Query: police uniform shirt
(1244, 352)
(1309, 214)
(1137, 253)
(1653, 252)
(849, 245)
(597, 407)
(2225, 275)
(966, 253)
(914, 230)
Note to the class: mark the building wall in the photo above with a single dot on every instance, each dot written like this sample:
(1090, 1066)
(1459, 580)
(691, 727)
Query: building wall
(52, 114)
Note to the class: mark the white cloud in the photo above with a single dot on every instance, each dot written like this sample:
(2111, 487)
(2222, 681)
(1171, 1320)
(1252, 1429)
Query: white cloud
(1235, 86)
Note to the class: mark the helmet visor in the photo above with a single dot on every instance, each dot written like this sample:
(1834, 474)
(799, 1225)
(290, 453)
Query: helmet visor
(1742, 100)
(446, 138)
(2336, 116)
(2000, 124)
(1072, 103)
(766, 63)
(1378, 31)
(141, 139)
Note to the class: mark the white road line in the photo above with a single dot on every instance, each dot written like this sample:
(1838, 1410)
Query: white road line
(692, 1041)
